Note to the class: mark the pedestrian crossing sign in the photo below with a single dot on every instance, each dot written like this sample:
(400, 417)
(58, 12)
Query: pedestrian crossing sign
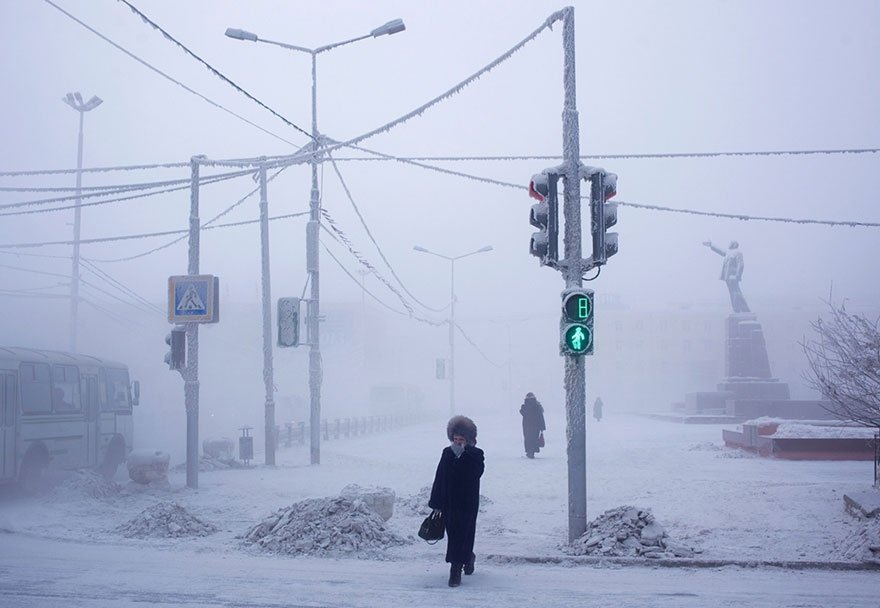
(193, 298)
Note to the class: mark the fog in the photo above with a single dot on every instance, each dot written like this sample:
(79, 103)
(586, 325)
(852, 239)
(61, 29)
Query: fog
(653, 79)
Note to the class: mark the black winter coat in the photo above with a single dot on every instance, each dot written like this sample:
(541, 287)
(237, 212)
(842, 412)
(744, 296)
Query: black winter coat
(456, 492)
(532, 423)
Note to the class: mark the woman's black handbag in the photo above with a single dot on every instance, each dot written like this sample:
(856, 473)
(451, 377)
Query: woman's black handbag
(432, 528)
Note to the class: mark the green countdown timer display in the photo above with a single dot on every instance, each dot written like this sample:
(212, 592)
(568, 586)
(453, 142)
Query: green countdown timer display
(576, 336)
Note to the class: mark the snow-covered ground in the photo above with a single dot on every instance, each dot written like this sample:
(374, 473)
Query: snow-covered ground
(724, 504)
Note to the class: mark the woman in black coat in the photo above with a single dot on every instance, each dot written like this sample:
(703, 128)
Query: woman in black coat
(532, 423)
(456, 494)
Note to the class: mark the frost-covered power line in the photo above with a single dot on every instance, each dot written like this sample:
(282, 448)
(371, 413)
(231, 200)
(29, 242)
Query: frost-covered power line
(211, 68)
(180, 84)
(583, 157)
(372, 238)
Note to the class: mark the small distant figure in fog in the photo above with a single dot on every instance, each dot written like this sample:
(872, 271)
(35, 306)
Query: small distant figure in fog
(532, 424)
(597, 409)
(731, 273)
(456, 494)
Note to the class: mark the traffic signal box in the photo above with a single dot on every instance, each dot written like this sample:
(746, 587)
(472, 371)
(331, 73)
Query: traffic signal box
(576, 325)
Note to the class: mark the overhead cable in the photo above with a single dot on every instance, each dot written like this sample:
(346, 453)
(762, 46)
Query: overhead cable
(211, 68)
(372, 238)
(177, 82)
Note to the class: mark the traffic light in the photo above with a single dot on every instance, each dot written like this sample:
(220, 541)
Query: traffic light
(576, 326)
(288, 322)
(603, 186)
(544, 215)
(176, 355)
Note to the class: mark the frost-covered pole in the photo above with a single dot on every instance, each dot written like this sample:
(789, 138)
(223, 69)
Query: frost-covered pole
(191, 377)
(312, 228)
(452, 338)
(575, 377)
(74, 100)
(268, 373)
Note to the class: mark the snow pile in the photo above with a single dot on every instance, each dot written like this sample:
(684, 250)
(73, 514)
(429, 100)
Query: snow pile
(86, 484)
(626, 532)
(337, 527)
(165, 520)
(148, 466)
(378, 498)
(415, 504)
(863, 542)
(210, 463)
(799, 430)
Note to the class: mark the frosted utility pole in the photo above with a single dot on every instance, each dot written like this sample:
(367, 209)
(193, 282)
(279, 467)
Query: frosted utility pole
(191, 373)
(74, 100)
(452, 314)
(268, 372)
(575, 374)
(314, 224)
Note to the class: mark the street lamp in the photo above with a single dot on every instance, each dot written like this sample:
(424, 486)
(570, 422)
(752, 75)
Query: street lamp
(313, 225)
(452, 313)
(75, 101)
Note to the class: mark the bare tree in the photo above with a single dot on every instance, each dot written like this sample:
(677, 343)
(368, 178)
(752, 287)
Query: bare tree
(844, 364)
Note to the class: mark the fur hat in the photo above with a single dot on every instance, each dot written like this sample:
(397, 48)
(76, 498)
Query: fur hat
(464, 426)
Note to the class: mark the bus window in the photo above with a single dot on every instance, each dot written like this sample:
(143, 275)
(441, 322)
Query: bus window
(11, 400)
(66, 389)
(118, 397)
(36, 392)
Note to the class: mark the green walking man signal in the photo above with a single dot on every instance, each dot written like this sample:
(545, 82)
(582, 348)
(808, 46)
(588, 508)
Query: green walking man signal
(576, 325)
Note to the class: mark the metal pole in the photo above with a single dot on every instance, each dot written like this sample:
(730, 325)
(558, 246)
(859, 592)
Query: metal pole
(312, 228)
(191, 379)
(575, 377)
(74, 281)
(268, 378)
(452, 339)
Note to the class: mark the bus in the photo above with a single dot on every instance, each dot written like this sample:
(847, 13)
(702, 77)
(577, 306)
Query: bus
(62, 411)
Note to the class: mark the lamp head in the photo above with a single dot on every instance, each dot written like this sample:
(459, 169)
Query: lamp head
(392, 27)
(238, 34)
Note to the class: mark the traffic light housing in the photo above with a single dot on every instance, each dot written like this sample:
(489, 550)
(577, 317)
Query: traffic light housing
(176, 355)
(576, 326)
(288, 322)
(544, 215)
(603, 186)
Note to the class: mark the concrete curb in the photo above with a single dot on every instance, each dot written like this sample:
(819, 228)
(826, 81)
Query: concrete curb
(588, 560)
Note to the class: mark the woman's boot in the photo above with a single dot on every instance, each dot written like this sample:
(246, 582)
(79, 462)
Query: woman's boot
(469, 566)
(455, 575)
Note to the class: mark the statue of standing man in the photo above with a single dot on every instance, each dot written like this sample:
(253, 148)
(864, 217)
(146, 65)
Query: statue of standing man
(731, 273)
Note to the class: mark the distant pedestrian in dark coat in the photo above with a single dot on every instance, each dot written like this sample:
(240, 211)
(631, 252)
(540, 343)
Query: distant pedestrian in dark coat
(597, 409)
(456, 493)
(532, 423)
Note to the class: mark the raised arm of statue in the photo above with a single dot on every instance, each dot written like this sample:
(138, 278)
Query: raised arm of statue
(714, 248)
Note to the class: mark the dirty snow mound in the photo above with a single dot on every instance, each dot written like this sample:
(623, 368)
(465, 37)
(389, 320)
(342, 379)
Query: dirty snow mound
(863, 542)
(338, 527)
(626, 532)
(85, 484)
(210, 463)
(165, 520)
(415, 504)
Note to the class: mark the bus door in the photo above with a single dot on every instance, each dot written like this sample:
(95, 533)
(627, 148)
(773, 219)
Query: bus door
(8, 411)
(90, 407)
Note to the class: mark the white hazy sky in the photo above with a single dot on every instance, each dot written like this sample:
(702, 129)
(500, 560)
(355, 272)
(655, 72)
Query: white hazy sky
(653, 77)
(683, 76)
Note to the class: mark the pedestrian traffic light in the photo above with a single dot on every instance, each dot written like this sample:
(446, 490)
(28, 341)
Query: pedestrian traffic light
(288, 322)
(603, 186)
(176, 355)
(576, 326)
(544, 215)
